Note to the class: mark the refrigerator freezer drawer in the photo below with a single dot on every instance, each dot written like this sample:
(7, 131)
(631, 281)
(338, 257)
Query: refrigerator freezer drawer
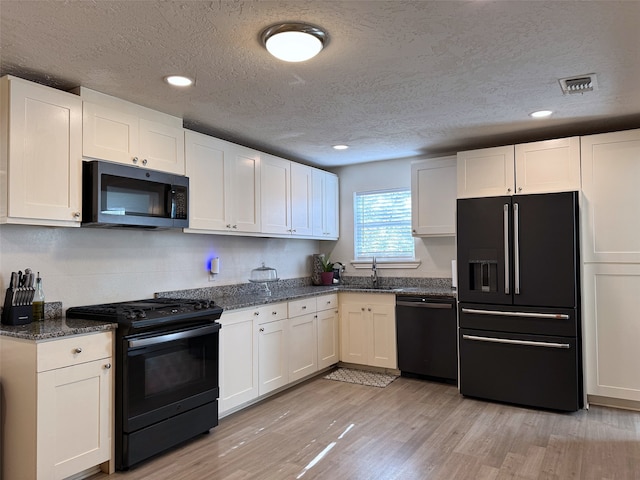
(532, 370)
(503, 318)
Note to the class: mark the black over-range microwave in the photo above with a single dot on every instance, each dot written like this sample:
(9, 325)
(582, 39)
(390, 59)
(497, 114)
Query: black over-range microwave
(115, 195)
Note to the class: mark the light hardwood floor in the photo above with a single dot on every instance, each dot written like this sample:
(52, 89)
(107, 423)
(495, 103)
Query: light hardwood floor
(412, 429)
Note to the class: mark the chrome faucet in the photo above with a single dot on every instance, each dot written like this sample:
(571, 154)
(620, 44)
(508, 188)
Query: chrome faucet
(374, 274)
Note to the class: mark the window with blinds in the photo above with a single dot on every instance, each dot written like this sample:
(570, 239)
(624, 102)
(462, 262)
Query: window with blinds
(383, 224)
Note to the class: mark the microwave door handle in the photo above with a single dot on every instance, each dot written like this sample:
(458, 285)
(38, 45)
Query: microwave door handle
(505, 221)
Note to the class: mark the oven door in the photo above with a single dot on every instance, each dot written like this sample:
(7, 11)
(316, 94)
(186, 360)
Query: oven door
(166, 374)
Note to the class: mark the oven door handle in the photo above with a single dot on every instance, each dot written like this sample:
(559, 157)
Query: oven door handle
(400, 303)
(171, 337)
(500, 313)
(516, 342)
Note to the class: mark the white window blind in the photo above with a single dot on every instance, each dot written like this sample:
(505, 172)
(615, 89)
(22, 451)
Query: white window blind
(383, 224)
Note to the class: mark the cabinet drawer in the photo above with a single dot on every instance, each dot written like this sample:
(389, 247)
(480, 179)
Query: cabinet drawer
(327, 302)
(302, 307)
(74, 350)
(269, 313)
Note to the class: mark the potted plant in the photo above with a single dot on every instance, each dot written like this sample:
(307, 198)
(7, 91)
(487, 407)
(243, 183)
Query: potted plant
(327, 271)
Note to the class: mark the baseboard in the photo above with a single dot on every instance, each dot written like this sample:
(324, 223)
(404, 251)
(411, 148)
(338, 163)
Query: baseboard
(614, 402)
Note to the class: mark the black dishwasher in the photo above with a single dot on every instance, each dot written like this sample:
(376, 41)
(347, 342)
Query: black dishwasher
(426, 330)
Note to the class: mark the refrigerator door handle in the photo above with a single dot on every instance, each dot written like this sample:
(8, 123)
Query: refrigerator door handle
(528, 343)
(516, 248)
(500, 313)
(506, 248)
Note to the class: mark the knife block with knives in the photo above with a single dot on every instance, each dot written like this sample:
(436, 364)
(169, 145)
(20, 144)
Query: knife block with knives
(18, 301)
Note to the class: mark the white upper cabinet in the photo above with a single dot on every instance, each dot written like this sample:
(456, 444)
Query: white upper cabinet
(548, 166)
(41, 154)
(224, 181)
(486, 173)
(286, 193)
(123, 132)
(611, 197)
(325, 205)
(433, 197)
(536, 167)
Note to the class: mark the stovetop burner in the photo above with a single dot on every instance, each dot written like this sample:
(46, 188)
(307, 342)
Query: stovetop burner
(149, 312)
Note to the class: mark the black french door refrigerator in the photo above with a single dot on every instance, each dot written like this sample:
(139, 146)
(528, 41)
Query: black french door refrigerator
(519, 300)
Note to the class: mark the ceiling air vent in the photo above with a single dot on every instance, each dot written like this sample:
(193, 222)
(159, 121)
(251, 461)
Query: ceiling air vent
(581, 84)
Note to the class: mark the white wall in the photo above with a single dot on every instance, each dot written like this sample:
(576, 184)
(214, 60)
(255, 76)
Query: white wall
(435, 253)
(83, 266)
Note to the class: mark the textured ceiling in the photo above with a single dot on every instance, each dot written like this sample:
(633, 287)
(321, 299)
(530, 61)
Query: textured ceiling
(398, 78)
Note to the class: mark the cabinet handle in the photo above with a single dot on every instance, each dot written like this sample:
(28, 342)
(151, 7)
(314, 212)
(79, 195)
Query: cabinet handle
(107, 366)
(78, 350)
(144, 162)
(135, 159)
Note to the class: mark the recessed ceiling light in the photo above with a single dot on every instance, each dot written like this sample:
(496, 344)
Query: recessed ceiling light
(178, 80)
(541, 114)
(340, 147)
(294, 42)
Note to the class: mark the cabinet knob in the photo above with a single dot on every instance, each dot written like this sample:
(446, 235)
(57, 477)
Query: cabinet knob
(508, 190)
(256, 313)
(228, 225)
(78, 350)
(519, 189)
(235, 226)
(368, 309)
(135, 159)
(262, 329)
(304, 307)
(107, 366)
(274, 313)
(76, 215)
(144, 162)
(362, 309)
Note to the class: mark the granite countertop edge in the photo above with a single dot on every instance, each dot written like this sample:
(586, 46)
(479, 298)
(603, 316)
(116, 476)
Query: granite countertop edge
(236, 302)
(55, 328)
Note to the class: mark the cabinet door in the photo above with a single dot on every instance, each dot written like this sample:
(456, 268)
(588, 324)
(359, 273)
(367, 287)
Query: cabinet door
(325, 205)
(486, 172)
(609, 211)
(273, 355)
(243, 189)
(207, 167)
(612, 331)
(303, 346)
(433, 197)
(161, 147)
(301, 199)
(275, 188)
(109, 134)
(382, 335)
(353, 333)
(44, 170)
(548, 166)
(238, 360)
(74, 412)
(328, 347)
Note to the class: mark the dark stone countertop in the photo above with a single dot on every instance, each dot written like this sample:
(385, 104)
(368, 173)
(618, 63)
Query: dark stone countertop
(60, 327)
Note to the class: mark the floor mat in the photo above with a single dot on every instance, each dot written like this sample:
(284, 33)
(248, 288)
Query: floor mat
(361, 377)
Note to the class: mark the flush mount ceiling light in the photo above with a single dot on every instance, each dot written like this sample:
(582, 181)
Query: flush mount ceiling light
(541, 114)
(294, 42)
(340, 147)
(178, 80)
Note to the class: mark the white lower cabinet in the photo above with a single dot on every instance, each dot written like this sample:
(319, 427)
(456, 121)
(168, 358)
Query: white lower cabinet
(328, 330)
(238, 359)
(368, 329)
(303, 346)
(612, 330)
(273, 355)
(58, 398)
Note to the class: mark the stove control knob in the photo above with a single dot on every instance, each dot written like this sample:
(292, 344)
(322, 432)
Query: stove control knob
(130, 314)
(197, 306)
(142, 314)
